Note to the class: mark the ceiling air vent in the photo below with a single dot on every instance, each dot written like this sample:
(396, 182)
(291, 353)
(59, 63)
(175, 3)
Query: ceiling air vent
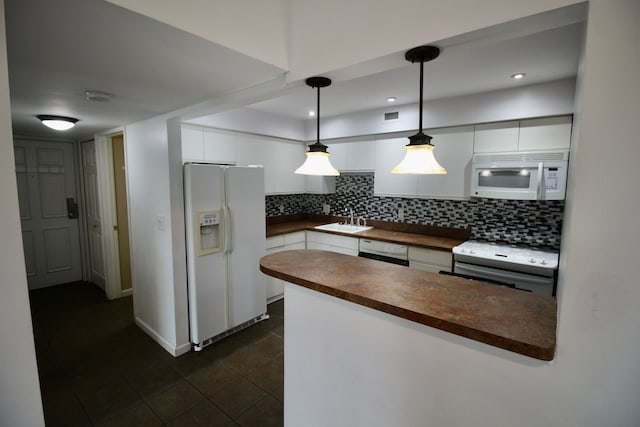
(392, 116)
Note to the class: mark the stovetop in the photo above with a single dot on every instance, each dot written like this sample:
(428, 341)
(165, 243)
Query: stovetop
(473, 249)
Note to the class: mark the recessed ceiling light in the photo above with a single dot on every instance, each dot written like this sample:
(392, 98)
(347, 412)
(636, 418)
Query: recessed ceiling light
(392, 99)
(518, 76)
(312, 113)
(57, 122)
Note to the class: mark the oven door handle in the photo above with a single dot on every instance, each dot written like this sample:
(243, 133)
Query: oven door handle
(492, 273)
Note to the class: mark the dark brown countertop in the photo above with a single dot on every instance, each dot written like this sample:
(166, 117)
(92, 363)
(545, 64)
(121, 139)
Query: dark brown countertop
(514, 320)
(430, 237)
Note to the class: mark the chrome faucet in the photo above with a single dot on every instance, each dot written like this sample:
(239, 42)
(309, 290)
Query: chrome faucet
(364, 221)
(350, 215)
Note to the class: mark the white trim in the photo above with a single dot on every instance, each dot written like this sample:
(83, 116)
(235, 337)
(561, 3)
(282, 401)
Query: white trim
(106, 194)
(174, 351)
(126, 292)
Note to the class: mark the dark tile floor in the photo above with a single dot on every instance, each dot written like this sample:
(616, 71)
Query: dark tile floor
(97, 368)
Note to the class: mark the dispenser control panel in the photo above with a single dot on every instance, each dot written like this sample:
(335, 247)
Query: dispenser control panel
(209, 232)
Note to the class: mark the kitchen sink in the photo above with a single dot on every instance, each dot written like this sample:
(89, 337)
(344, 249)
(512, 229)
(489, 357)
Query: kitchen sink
(343, 228)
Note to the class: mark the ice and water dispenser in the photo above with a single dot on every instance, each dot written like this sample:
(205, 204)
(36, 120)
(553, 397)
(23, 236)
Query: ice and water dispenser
(209, 231)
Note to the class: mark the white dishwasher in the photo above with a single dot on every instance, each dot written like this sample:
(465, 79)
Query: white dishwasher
(384, 251)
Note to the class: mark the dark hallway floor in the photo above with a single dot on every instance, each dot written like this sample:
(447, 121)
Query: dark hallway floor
(97, 368)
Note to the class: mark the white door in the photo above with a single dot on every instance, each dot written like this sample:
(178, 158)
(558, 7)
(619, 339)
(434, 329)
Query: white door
(48, 212)
(92, 212)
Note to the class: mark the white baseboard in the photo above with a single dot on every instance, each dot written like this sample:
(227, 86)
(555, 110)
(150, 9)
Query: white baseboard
(174, 351)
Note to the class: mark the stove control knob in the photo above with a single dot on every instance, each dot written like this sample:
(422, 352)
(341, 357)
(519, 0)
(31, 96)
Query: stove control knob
(472, 251)
(532, 261)
(543, 262)
(462, 251)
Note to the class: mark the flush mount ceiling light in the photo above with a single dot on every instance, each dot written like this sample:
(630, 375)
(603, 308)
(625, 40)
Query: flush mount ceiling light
(419, 157)
(518, 76)
(392, 99)
(317, 162)
(57, 122)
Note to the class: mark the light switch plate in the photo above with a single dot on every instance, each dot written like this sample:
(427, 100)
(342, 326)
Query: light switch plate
(326, 208)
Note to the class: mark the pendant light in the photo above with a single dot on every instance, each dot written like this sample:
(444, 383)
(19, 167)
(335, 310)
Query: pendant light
(419, 156)
(317, 162)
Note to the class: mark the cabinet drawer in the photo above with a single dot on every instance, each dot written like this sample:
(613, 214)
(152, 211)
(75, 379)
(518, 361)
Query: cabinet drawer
(275, 241)
(350, 243)
(296, 237)
(430, 256)
(331, 248)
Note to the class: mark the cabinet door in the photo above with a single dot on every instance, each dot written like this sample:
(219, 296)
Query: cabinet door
(192, 144)
(361, 156)
(338, 155)
(320, 184)
(389, 152)
(496, 137)
(219, 147)
(548, 133)
(454, 150)
(288, 156)
(253, 150)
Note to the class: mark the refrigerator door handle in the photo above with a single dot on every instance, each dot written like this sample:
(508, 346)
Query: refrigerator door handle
(230, 229)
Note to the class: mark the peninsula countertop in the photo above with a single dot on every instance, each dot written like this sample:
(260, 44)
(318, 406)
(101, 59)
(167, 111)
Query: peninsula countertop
(439, 238)
(514, 320)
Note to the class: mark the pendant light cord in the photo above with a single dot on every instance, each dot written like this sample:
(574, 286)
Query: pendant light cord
(318, 118)
(421, 89)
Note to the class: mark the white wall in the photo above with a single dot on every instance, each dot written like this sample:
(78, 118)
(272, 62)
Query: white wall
(546, 99)
(20, 402)
(159, 291)
(248, 120)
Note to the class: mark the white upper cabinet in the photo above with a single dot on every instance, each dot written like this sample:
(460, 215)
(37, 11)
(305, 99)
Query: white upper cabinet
(288, 156)
(549, 133)
(279, 159)
(219, 146)
(454, 150)
(192, 144)
(254, 150)
(355, 156)
(338, 155)
(389, 152)
(495, 137)
(320, 184)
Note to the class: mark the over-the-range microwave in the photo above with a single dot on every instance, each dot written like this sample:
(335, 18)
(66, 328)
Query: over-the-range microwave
(532, 175)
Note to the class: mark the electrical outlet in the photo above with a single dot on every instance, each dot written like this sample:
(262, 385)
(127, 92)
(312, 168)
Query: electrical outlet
(281, 209)
(326, 208)
(401, 214)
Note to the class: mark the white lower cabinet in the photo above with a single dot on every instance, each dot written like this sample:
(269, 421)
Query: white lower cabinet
(332, 242)
(432, 260)
(283, 242)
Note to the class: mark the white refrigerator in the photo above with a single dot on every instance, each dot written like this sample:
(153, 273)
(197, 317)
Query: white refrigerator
(225, 237)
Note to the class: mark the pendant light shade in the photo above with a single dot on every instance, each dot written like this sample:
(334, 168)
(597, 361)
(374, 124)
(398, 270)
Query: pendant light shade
(419, 158)
(57, 122)
(317, 162)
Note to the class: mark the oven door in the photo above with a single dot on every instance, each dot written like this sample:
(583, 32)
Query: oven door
(530, 282)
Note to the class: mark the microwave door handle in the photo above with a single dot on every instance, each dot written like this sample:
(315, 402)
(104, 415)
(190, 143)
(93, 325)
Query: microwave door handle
(540, 190)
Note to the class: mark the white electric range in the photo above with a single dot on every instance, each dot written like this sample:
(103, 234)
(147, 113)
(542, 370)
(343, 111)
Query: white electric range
(524, 268)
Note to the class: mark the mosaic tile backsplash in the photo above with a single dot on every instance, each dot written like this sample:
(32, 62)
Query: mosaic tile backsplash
(528, 222)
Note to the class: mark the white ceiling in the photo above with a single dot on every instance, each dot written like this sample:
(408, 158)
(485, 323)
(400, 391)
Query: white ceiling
(59, 49)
